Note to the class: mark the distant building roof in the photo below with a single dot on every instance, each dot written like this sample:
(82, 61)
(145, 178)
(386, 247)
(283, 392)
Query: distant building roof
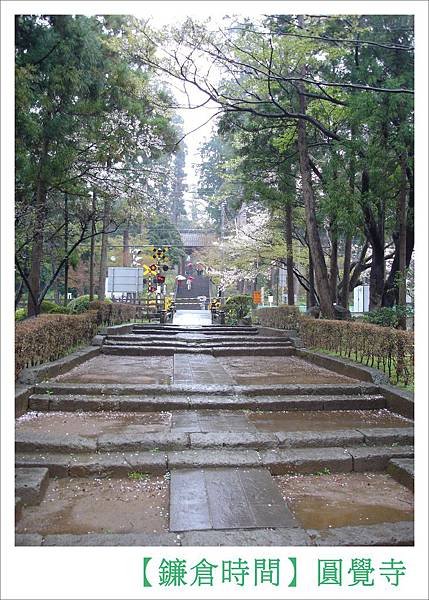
(197, 238)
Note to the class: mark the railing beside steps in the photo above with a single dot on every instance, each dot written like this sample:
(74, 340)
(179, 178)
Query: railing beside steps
(151, 309)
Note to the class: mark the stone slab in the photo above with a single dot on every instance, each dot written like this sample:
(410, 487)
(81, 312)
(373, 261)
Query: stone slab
(147, 462)
(355, 402)
(57, 464)
(385, 436)
(189, 459)
(376, 458)
(247, 537)
(22, 395)
(18, 508)
(312, 460)
(381, 534)
(31, 484)
(226, 499)
(402, 470)
(319, 439)
(189, 507)
(113, 539)
(28, 539)
(241, 439)
(28, 441)
(399, 401)
(142, 441)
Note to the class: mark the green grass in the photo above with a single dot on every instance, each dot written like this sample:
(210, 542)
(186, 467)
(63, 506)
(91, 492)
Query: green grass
(138, 476)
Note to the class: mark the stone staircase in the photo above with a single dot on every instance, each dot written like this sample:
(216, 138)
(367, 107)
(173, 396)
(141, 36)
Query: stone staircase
(188, 299)
(220, 443)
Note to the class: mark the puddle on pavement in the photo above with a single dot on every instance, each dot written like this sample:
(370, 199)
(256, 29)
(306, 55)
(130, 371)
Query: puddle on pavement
(311, 420)
(93, 423)
(121, 369)
(259, 370)
(79, 506)
(325, 501)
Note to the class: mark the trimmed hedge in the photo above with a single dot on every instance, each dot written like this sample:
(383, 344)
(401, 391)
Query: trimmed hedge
(280, 317)
(48, 337)
(391, 350)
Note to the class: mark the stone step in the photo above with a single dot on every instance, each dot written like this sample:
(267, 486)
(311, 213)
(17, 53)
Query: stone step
(217, 330)
(198, 338)
(214, 350)
(150, 403)
(280, 536)
(142, 341)
(31, 484)
(125, 389)
(130, 440)
(380, 534)
(117, 464)
(402, 469)
(278, 461)
(332, 460)
(225, 498)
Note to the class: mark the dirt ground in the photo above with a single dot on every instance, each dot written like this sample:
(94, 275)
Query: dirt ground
(324, 501)
(79, 506)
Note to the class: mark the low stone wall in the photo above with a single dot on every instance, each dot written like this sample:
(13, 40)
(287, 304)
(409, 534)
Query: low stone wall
(32, 375)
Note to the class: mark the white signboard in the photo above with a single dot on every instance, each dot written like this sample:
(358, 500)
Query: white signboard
(124, 279)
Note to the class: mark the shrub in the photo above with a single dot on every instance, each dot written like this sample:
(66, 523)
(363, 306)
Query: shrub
(78, 305)
(48, 337)
(59, 310)
(280, 317)
(47, 306)
(20, 314)
(386, 348)
(387, 317)
(238, 307)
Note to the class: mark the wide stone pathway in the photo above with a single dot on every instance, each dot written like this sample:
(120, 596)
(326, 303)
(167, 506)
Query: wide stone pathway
(191, 435)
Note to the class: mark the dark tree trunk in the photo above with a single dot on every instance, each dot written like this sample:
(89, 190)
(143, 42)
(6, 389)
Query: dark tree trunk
(333, 266)
(345, 290)
(320, 270)
(376, 276)
(402, 245)
(126, 246)
(311, 296)
(289, 255)
(92, 249)
(37, 250)
(66, 248)
(103, 256)
(375, 233)
(390, 288)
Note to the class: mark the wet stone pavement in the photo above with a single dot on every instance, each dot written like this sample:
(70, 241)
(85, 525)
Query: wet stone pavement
(196, 449)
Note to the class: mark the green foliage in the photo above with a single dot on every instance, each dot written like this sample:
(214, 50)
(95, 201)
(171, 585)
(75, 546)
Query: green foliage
(48, 306)
(58, 310)
(79, 304)
(20, 314)
(388, 317)
(238, 307)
